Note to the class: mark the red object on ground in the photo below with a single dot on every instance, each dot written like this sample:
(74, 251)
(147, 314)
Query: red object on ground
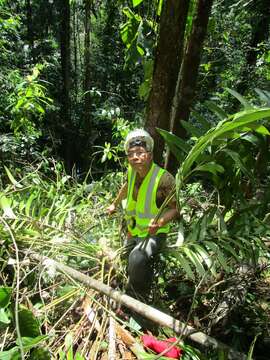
(160, 345)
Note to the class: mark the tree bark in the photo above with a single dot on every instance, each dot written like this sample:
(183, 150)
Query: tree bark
(30, 33)
(75, 49)
(167, 63)
(188, 75)
(67, 135)
(87, 70)
(141, 308)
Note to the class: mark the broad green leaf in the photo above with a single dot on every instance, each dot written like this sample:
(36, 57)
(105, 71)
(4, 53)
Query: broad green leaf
(205, 256)
(240, 98)
(196, 262)
(218, 253)
(203, 223)
(29, 342)
(253, 139)
(191, 129)
(216, 110)
(5, 295)
(159, 7)
(12, 354)
(41, 354)
(129, 30)
(186, 267)
(29, 325)
(144, 89)
(136, 2)
(172, 142)
(194, 232)
(236, 122)
(5, 205)
(211, 167)
(202, 121)
(222, 223)
(134, 325)
(29, 203)
(264, 96)
(238, 244)
(229, 248)
(236, 158)
(175, 140)
(11, 178)
(260, 129)
(180, 235)
(4, 318)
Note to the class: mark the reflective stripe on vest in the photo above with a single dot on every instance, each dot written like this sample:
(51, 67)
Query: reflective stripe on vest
(139, 213)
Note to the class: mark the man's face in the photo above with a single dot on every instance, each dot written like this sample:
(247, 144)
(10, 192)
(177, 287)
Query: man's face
(139, 157)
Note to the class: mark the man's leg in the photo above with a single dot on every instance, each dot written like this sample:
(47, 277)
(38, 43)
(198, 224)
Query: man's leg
(140, 266)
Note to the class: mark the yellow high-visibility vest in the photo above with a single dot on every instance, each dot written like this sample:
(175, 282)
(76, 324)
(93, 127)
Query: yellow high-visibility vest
(139, 213)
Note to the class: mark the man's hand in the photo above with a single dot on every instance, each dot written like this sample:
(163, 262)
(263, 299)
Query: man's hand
(111, 209)
(154, 226)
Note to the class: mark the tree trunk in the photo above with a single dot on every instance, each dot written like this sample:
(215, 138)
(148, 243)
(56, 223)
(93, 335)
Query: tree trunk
(87, 70)
(75, 50)
(67, 134)
(186, 90)
(30, 33)
(167, 63)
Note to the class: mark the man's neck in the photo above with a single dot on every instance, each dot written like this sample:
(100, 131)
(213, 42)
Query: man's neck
(144, 171)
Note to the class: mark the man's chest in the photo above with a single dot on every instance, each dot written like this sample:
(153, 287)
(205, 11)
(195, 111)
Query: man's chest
(159, 193)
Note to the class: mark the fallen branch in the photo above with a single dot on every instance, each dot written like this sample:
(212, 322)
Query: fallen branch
(145, 310)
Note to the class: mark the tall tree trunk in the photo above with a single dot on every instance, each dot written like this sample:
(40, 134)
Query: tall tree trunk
(67, 141)
(87, 70)
(30, 33)
(75, 50)
(188, 75)
(167, 63)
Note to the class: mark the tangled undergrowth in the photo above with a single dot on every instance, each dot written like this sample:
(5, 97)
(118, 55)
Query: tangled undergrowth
(45, 314)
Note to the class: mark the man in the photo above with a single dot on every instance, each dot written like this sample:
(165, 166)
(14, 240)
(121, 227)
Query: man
(145, 190)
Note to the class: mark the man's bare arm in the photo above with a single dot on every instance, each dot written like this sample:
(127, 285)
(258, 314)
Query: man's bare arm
(122, 194)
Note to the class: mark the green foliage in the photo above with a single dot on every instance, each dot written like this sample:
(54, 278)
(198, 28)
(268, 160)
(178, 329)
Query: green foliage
(136, 2)
(136, 35)
(120, 129)
(27, 104)
(5, 294)
(28, 344)
(223, 158)
(48, 215)
(29, 326)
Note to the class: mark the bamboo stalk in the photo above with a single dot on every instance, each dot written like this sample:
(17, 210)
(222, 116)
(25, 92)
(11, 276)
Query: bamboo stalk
(112, 338)
(145, 310)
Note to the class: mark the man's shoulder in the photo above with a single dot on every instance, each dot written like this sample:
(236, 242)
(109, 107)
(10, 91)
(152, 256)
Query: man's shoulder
(167, 180)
